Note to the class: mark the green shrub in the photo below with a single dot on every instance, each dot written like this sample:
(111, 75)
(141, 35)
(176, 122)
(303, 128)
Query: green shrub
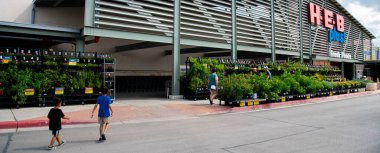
(236, 86)
(195, 83)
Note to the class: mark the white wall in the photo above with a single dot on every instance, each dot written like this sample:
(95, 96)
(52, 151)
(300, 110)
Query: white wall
(70, 17)
(144, 62)
(19, 11)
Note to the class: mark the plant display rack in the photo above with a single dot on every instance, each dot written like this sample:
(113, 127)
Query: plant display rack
(32, 77)
(108, 74)
(290, 80)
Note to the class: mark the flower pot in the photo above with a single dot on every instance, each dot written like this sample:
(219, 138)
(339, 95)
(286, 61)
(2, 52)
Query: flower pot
(229, 102)
(308, 96)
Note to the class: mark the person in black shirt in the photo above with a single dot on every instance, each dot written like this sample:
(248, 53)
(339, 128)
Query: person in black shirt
(55, 115)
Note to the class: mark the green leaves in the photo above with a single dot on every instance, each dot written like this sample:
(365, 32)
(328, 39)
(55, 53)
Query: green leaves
(20, 82)
(46, 79)
(236, 86)
(195, 83)
(291, 78)
(199, 71)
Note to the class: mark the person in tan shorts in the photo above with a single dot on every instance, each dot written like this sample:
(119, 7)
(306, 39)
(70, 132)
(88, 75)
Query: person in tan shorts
(104, 113)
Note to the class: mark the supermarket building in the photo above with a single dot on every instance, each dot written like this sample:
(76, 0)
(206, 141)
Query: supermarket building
(151, 39)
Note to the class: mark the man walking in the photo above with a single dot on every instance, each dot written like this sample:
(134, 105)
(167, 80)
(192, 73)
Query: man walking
(104, 103)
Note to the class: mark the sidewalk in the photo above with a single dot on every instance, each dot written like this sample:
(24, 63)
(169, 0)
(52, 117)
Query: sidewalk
(148, 110)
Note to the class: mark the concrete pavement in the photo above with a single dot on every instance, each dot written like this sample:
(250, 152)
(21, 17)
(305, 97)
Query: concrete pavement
(147, 110)
(348, 125)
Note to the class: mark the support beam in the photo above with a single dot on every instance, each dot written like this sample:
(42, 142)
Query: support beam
(79, 45)
(234, 38)
(195, 50)
(33, 20)
(371, 49)
(176, 47)
(354, 69)
(89, 31)
(342, 69)
(273, 48)
(301, 29)
(241, 55)
(310, 46)
(361, 47)
(221, 54)
(137, 46)
(89, 13)
(200, 43)
(32, 29)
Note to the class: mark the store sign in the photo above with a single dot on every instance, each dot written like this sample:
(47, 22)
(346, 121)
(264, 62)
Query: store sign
(89, 90)
(334, 35)
(340, 55)
(72, 61)
(5, 59)
(59, 91)
(29, 92)
(332, 21)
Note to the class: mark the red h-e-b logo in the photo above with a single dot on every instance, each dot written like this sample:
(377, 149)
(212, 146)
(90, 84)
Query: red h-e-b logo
(315, 18)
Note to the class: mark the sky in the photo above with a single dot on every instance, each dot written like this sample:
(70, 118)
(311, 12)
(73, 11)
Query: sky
(367, 12)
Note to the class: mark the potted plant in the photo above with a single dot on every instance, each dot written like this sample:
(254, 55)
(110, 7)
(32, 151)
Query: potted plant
(2, 91)
(22, 80)
(235, 87)
(109, 68)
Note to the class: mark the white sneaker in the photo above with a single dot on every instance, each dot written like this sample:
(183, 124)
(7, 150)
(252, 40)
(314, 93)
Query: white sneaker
(50, 147)
(63, 141)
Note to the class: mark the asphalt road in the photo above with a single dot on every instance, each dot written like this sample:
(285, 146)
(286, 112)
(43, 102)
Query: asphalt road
(349, 126)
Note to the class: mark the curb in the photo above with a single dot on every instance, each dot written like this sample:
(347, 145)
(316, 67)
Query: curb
(43, 123)
(38, 123)
(295, 102)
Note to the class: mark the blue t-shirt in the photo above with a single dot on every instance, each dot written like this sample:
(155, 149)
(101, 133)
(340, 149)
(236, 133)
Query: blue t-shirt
(104, 110)
(211, 80)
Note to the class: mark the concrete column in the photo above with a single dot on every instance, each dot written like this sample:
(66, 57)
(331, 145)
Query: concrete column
(273, 31)
(234, 39)
(371, 49)
(33, 20)
(301, 30)
(310, 46)
(354, 69)
(79, 45)
(342, 69)
(89, 12)
(176, 48)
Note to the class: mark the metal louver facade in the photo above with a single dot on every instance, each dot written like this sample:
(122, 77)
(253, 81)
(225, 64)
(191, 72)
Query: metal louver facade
(210, 21)
(149, 17)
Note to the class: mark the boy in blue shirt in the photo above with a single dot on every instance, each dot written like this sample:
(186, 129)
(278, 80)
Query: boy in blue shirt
(104, 103)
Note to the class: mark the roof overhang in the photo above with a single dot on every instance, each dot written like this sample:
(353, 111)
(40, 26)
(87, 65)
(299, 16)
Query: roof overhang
(372, 62)
(31, 35)
(40, 30)
(59, 3)
(331, 59)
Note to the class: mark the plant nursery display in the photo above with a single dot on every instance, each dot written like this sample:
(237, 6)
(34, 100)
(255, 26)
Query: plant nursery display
(34, 76)
(290, 80)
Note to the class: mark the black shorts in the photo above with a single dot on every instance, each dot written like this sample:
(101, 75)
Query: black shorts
(55, 132)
